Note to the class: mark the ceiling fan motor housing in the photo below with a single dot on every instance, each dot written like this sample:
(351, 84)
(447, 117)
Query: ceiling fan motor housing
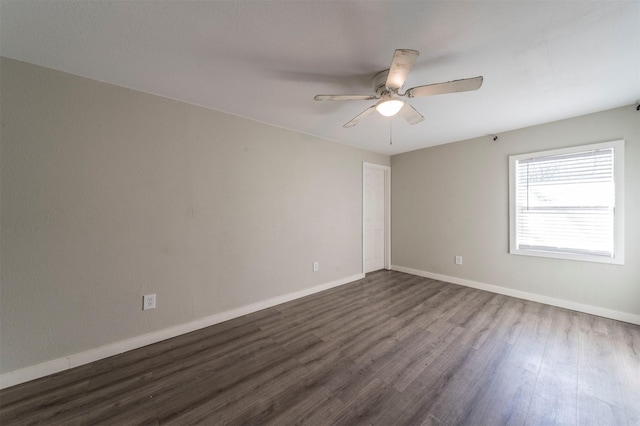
(379, 83)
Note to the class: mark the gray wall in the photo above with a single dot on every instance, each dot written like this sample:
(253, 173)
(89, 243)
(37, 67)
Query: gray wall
(453, 200)
(108, 194)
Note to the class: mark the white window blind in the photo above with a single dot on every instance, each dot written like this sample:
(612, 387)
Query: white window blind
(564, 202)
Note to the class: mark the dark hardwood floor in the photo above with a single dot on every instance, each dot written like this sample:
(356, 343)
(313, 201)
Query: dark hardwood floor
(389, 349)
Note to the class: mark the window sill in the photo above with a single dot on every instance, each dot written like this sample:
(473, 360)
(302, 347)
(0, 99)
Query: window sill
(618, 260)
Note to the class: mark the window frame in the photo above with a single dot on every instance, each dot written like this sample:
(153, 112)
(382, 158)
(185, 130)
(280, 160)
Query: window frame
(618, 224)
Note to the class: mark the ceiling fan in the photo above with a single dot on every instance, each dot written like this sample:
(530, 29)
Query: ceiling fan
(387, 85)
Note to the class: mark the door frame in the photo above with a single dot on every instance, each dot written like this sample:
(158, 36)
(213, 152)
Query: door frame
(387, 211)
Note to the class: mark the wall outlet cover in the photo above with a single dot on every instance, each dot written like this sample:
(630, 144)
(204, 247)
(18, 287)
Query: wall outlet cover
(148, 302)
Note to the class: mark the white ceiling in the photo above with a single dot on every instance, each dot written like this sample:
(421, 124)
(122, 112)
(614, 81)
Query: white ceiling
(265, 60)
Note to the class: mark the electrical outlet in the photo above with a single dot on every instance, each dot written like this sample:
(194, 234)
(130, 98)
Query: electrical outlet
(148, 301)
(458, 260)
(316, 266)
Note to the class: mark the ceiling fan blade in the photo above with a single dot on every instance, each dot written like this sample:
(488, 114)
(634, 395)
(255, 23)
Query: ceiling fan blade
(360, 116)
(344, 97)
(410, 114)
(402, 63)
(463, 85)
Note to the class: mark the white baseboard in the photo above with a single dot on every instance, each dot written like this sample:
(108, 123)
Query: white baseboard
(561, 303)
(16, 377)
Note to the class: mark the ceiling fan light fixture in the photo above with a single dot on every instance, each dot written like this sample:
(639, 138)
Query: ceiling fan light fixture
(389, 106)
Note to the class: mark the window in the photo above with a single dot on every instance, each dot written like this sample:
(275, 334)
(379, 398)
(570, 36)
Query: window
(568, 203)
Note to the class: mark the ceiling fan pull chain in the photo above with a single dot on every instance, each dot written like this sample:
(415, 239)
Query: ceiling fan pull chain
(390, 128)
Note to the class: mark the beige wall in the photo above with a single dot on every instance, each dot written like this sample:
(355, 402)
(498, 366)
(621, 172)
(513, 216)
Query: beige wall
(453, 200)
(108, 194)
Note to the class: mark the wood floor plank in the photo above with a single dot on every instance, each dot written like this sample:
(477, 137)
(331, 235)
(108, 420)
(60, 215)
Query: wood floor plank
(595, 412)
(390, 349)
(372, 343)
(555, 395)
(222, 404)
(414, 404)
(349, 380)
(44, 407)
(528, 349)
(443, 385)
(338, 322)
(626, 346)
(364, 322)
(179, 393)
(407, 362)
(482, 365)
(120, 405)
(500, 397)
(367, 405)
(317, 406)
(439, 308)
(471, 305)
(597, 383)
(564, 338)
(44, 388)
(630, 398)
(308, 399)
